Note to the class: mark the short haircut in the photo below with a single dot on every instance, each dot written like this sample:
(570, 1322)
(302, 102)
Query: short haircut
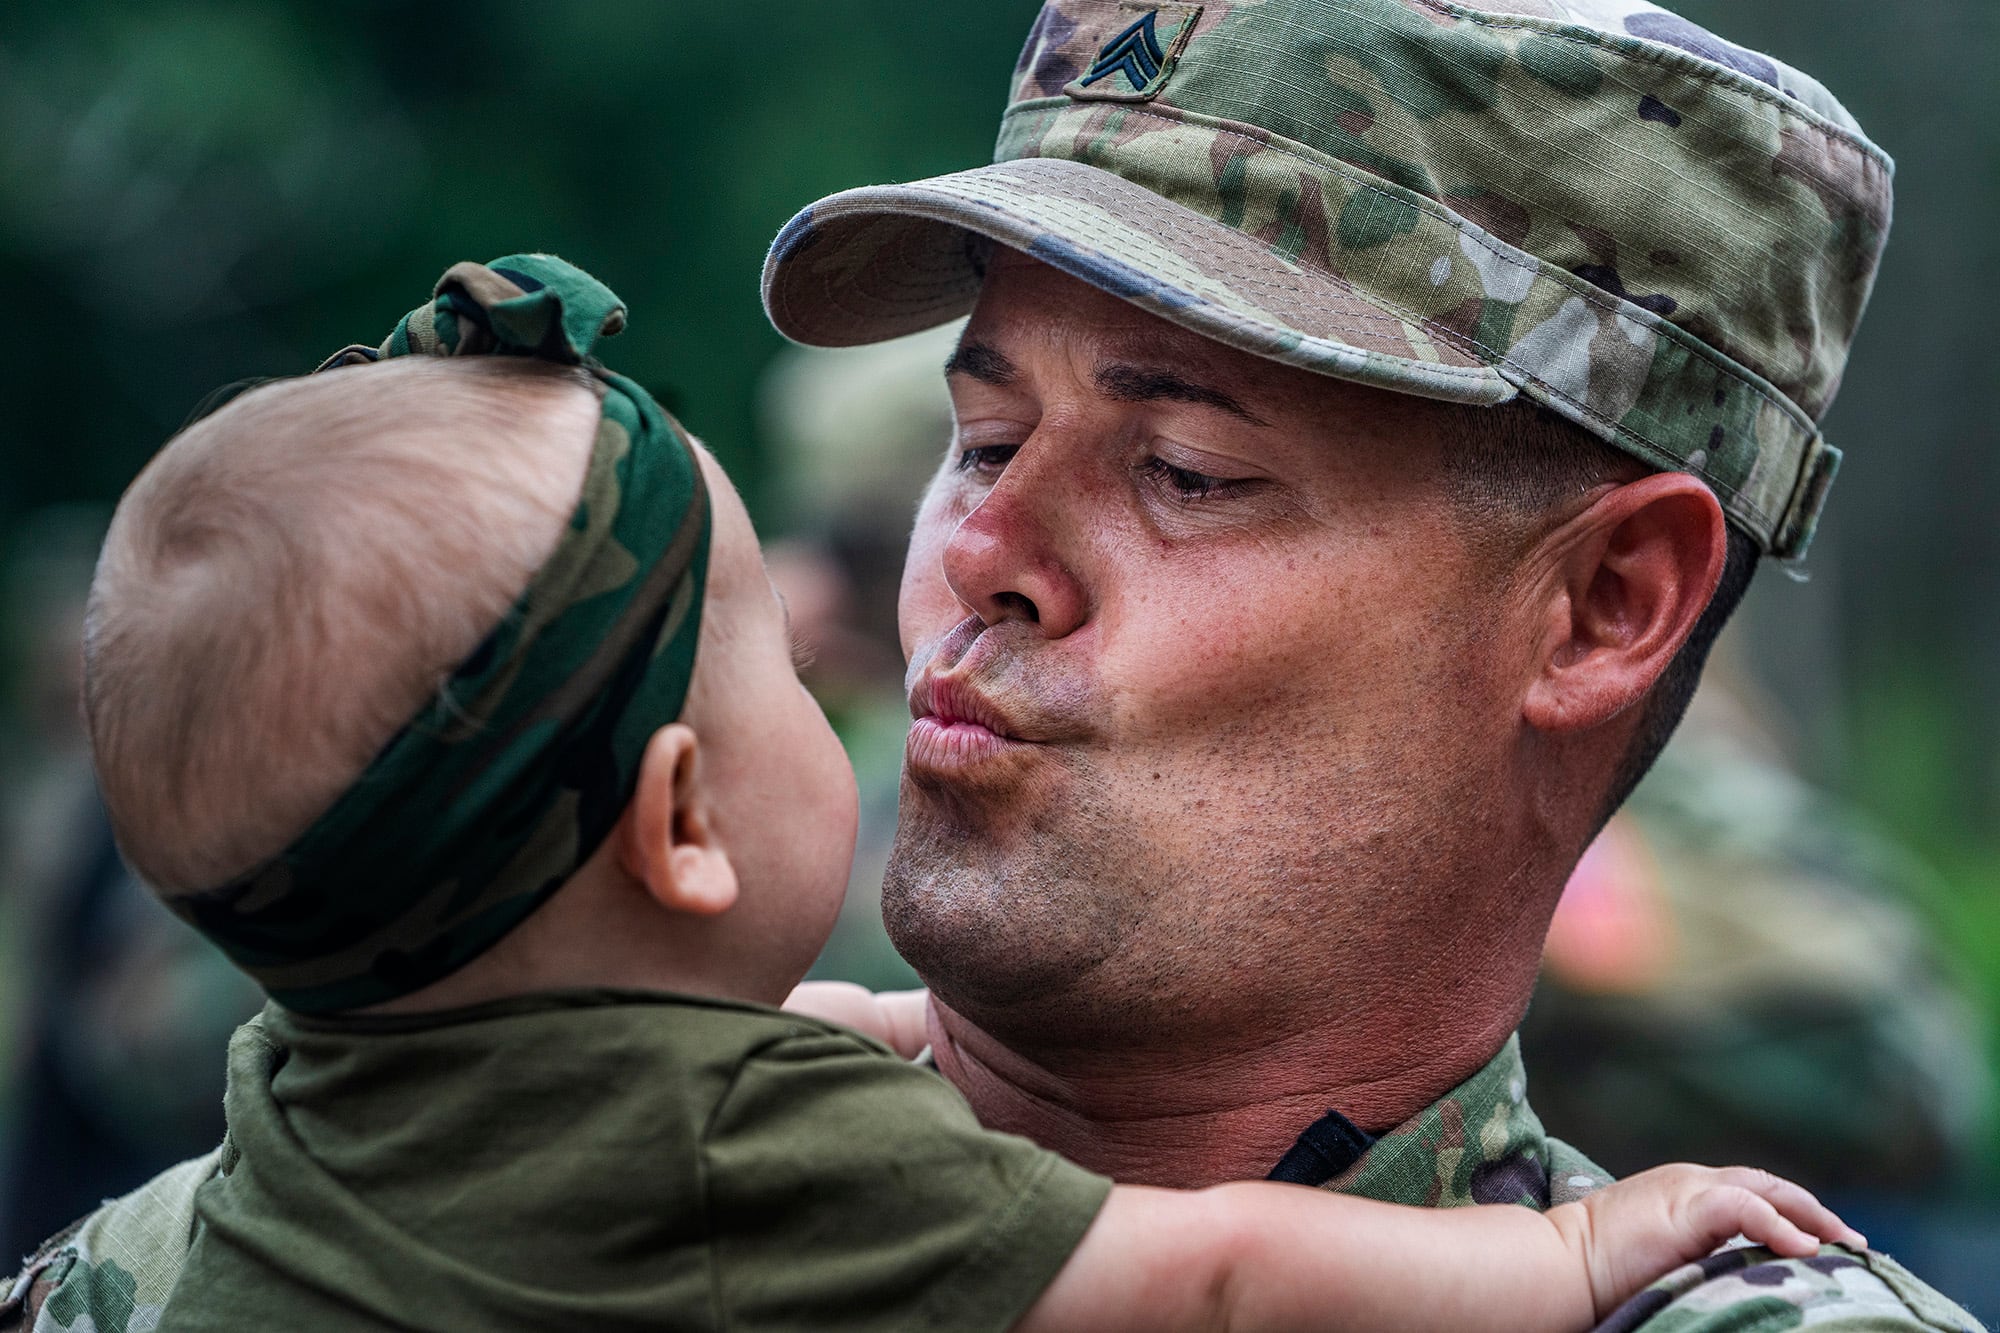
(292, 577)
(1508, 468)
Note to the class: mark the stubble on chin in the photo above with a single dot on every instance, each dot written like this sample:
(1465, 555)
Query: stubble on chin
(1010, 904)
(1050, 917)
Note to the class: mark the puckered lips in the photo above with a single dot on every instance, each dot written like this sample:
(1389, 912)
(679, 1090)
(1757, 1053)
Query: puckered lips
(986, 699)
(956, 727)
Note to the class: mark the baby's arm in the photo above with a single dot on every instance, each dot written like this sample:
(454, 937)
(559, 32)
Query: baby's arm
(1255, 1256)
(896, 1018)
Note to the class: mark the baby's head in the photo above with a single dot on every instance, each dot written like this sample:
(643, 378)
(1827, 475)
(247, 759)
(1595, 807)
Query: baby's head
(312, 595)
(291, 578)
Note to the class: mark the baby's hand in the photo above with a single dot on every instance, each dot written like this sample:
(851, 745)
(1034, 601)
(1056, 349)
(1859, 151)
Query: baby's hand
(1628, 1234)
(897, 1019)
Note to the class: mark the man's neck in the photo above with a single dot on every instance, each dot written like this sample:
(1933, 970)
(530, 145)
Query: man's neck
(1189, 1122)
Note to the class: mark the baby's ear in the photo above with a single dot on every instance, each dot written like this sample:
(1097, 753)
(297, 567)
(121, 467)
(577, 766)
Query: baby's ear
(666, 840)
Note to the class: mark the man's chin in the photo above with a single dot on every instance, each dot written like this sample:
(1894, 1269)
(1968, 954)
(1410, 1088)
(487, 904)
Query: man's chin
(995, 923)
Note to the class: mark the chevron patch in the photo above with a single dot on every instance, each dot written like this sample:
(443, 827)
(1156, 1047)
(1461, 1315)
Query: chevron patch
(1135, 53)
(1135, 65)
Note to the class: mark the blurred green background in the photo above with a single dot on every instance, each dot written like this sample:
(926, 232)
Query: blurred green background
(196, 193)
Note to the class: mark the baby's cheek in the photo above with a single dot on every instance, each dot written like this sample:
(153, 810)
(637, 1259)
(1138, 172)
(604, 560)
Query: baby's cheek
(820, 766)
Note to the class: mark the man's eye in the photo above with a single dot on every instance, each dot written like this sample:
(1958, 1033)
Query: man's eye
(1190, 485)
(986, 457)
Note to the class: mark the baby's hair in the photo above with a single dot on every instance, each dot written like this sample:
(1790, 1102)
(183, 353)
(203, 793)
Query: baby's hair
(291, 578)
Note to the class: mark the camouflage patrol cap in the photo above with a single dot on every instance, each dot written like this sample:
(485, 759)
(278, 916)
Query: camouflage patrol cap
(1595, 204)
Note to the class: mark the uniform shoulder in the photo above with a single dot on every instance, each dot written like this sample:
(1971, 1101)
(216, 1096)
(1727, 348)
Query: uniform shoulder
(116, 1264)
(1751, 1291)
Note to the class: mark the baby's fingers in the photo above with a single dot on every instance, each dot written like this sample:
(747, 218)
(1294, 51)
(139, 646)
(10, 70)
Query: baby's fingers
(1772, 1212)
(1727, 1211)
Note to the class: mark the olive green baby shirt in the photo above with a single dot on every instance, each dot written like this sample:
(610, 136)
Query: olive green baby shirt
(612, 1160)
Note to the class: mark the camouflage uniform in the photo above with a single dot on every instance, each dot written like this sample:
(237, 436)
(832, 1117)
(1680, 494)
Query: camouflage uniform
(112, 1271)
(1481, 1143)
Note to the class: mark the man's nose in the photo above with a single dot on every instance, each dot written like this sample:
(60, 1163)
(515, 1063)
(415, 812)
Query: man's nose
(1015, 555)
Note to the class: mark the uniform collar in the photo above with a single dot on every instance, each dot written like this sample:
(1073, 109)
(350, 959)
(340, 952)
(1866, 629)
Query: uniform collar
(1479, 1143)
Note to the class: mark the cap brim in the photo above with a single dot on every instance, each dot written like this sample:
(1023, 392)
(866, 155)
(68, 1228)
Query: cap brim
(879, 262)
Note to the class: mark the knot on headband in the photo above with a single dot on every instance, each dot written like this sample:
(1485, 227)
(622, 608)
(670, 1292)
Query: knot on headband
(489, 799)
(523, 305)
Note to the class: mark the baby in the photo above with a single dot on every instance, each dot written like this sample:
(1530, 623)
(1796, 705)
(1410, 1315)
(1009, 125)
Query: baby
(445, 691)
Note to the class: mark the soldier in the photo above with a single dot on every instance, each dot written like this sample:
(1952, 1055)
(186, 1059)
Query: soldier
(1370, 412)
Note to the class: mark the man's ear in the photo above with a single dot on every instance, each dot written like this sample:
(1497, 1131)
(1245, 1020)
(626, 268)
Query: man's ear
(1627, 580)
(666, 839)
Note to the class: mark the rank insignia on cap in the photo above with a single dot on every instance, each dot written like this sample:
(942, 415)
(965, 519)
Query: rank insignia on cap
(1136, 64)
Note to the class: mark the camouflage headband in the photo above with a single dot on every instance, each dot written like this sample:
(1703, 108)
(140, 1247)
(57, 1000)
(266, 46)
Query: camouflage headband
(493, 795)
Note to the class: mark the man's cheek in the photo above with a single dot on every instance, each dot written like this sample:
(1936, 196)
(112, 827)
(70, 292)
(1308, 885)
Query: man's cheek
(1266, 634)
(1247, 664)
(926, 605)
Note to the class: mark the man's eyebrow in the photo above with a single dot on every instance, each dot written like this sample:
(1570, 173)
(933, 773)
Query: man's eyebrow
(1144, 384)
(982, 362)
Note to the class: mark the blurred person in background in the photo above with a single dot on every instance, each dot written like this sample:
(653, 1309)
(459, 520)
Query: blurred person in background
(1737, 968)
(1740, 969)
(116, 1017)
